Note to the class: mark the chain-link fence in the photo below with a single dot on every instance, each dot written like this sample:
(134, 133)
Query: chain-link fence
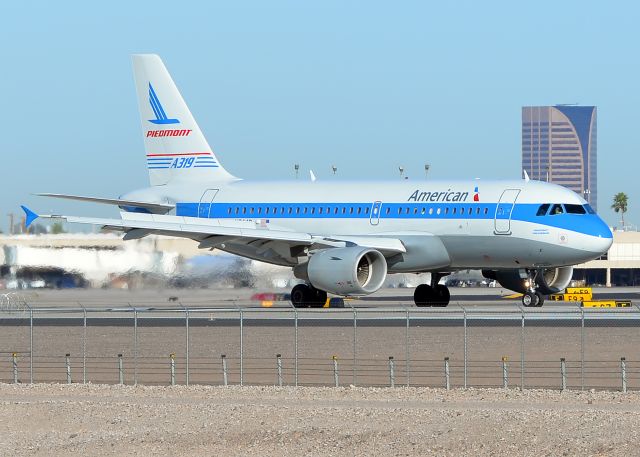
(559, 347)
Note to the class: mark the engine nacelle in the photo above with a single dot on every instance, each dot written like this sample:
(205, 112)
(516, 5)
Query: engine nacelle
(347, 271)
(548, 280)
(554, 280)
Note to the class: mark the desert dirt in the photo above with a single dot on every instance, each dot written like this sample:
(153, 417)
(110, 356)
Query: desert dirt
(56, 419)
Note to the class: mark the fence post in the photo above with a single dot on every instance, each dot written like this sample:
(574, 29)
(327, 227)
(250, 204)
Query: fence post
(68, 365)
(522, 351)
(279, 366)
(120, 370)
(392, 374)
(335, 370)
(225, 379)
(355, 344)
(295, 345)
(465, 346)
(446, 373)
(30, 345)
(241, 348)
(186, 326)
(582, 348)
(407, 356)
(172, 365)
(135, 346)
(505, 375)
(623, 369)
(14, 357)
(84, 344)
(563, 373)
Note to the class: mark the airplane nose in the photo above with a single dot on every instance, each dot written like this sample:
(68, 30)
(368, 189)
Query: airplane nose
(602, 245)
(603, 238)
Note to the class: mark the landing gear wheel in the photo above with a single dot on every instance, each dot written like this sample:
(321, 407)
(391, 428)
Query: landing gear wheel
(317, 297)
(540, 299)
(300, 296)
(423, 295)
(441, 296)
(304, 296)
(530, 299)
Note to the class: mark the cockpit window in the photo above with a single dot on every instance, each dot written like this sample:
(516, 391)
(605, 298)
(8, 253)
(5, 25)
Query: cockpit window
(589, 209)
(556, 209)
(543, 209)
(574, 209)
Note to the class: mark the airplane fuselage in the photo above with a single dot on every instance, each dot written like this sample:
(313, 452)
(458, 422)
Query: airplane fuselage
(482, 224)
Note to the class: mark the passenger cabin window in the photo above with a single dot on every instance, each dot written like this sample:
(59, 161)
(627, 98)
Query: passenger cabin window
(574, 209)
(556, 209)
(543, 209)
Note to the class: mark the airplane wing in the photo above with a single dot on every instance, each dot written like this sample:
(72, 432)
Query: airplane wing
(214, 232)
(153, 207)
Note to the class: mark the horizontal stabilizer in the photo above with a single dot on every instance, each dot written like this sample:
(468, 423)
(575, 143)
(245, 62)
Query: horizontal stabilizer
(152, 207)
(30, 215)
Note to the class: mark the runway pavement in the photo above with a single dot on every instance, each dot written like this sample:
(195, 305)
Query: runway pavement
(241, 298)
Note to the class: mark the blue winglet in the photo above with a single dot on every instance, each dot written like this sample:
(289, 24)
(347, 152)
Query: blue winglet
(31, 216)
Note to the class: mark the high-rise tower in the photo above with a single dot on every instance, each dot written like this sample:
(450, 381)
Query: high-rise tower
(559, 145)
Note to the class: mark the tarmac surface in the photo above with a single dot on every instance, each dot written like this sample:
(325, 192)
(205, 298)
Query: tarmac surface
(234, 298)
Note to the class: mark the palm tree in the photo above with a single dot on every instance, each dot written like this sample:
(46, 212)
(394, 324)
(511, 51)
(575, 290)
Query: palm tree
(620, 202)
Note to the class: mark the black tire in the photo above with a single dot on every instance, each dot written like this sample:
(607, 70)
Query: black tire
(541, 298)
(530, 299)
(423, 295)
(317, 297)
(300, 296)
(442, 296)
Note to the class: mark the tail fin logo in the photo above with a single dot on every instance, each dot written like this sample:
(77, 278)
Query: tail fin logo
(161, 116)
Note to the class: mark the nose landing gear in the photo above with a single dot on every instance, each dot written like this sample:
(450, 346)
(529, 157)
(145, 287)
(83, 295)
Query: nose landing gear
(532, 297)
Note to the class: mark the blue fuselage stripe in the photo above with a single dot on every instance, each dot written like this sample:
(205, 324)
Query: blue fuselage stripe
(582, 223)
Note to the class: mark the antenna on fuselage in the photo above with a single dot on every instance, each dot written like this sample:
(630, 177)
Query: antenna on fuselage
(312, 176)
(526, 175)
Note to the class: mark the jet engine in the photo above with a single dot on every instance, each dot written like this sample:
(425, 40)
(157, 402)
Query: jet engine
(346, 271)
(547, 280)
(553, 280)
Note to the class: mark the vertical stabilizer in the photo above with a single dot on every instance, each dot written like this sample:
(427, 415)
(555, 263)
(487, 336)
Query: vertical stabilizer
(176, 148)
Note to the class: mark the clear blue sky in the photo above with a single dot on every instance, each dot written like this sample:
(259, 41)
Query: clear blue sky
(367, 86)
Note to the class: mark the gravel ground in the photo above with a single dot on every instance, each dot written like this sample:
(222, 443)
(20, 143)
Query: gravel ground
(50, 419)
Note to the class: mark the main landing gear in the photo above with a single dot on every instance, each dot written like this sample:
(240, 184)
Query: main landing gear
(432, 295)
(307, 296)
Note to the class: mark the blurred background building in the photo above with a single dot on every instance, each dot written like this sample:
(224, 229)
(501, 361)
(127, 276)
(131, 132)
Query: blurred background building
(559, 145)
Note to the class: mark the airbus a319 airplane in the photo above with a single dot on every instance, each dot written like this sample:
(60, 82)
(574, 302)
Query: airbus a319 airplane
(343, 238)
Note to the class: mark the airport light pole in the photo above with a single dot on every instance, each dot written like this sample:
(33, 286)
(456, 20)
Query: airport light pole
(334, 169)
(401, 170)
(296, 167)
(426, 170)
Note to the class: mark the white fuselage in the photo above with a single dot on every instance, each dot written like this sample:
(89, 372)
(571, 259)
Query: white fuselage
(482, 224)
